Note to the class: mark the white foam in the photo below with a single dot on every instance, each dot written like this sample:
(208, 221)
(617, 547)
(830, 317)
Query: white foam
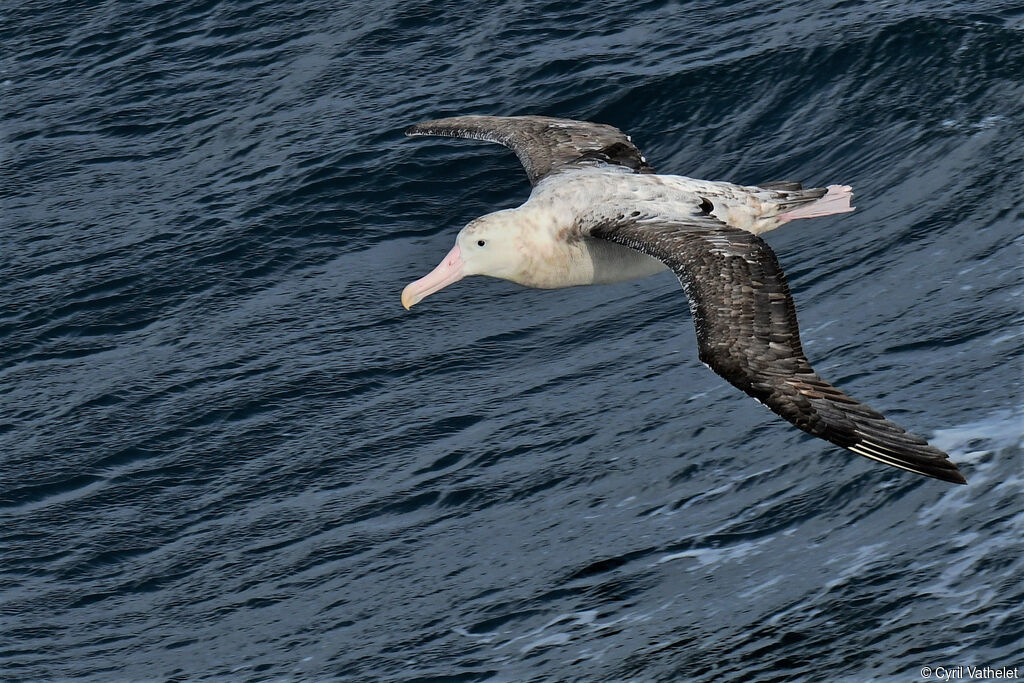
(712, 556)
(1003, 429)
(546, 641)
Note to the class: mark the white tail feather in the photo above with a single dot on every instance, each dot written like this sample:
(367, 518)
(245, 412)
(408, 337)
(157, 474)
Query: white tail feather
(836, 200)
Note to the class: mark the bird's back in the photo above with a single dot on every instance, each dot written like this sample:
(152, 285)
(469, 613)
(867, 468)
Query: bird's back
(594, 195)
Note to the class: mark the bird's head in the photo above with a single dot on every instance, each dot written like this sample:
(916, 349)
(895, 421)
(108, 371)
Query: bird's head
(486, 246)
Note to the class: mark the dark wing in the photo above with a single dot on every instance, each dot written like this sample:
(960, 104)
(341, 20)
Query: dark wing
(787, 185)
(747, 333)
(543, 144)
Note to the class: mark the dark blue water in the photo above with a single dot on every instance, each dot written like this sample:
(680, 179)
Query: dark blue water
(227, 452)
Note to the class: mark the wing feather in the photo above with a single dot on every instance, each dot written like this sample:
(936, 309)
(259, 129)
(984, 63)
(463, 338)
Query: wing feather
(747, 332)
(543, 144)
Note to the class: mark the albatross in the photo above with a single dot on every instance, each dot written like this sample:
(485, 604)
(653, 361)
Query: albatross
(598, 213)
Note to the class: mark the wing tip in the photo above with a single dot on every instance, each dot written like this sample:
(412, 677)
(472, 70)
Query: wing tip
(955, 477)
(430, 127)
(937, 466)
(949, 474)
(448, 128)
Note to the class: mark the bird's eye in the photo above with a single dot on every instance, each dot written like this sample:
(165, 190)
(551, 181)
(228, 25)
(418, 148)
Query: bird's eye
(480, 243)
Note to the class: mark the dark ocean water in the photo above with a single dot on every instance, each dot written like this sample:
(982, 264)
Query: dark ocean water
(227, 452)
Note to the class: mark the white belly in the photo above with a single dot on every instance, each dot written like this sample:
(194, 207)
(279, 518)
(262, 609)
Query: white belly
(552, 264)
(612, 262)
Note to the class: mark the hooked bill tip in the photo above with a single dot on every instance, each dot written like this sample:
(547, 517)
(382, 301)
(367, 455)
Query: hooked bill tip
(408, 300)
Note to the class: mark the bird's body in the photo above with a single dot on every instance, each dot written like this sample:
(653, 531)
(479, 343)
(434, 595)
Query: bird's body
(599, 214)
(552, 226)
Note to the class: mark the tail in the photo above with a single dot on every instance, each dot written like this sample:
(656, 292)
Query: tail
(836, 200)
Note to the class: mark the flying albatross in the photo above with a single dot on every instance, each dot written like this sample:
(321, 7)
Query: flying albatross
(598, 214)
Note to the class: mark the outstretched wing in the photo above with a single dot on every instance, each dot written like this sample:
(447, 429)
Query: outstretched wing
(543, 144)
(747, 333)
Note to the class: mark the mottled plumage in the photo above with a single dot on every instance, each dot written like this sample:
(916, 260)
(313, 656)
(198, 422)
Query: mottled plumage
(543, 144)
(598, 213)
(747, 333)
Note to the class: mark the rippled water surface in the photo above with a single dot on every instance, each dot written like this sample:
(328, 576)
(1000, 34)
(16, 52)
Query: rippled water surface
(227, 452)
